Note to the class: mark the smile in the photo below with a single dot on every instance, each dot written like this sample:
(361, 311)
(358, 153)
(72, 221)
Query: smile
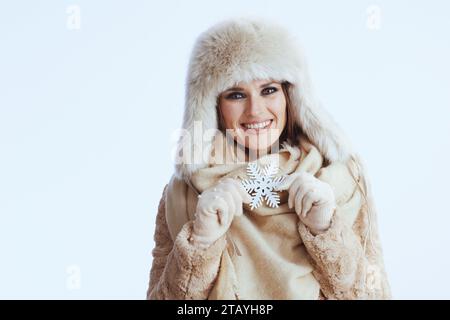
(258, 125)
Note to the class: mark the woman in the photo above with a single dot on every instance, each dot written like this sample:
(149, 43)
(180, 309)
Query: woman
(267, 201)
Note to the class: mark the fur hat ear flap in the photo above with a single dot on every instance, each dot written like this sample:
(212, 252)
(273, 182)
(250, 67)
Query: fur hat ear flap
(196, 139)
(243, 50)
(316, 123)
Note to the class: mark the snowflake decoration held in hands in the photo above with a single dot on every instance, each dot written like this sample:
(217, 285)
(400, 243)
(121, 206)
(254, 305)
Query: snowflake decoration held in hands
(261, 183)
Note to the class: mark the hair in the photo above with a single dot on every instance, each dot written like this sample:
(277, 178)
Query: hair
(291, 131)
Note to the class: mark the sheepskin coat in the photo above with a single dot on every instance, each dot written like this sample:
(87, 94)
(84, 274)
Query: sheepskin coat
(346, 259)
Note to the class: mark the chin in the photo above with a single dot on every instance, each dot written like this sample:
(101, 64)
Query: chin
(257, 141)
(260, 147)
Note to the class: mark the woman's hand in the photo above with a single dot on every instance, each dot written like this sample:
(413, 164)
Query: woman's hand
(313, 200)
(216, 208)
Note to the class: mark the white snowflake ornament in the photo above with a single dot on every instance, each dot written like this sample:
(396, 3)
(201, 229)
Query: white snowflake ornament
(262, 183)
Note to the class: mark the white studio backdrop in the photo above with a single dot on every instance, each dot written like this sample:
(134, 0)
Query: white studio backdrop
(91, 93)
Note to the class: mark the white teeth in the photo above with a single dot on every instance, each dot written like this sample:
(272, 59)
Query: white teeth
(258, 125)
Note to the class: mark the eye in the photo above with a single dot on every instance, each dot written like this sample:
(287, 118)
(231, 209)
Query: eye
(234, 96)
(269, 90)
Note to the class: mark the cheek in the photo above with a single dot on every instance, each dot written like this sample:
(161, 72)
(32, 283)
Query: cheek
(231, 115)
(278, 109)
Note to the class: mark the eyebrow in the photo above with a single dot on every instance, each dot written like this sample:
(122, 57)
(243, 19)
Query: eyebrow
(240, 89)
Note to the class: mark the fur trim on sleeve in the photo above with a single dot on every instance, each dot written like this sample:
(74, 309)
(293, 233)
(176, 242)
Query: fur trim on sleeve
(180, 270)
(344, 266)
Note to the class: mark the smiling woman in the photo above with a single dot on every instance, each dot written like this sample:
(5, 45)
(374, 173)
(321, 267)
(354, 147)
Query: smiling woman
(318, 239)
(257, 115)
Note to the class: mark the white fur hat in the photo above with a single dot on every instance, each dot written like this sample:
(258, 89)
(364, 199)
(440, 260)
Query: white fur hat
(243, 50)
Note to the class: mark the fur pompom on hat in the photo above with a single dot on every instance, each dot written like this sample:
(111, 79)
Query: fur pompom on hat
(243, 50)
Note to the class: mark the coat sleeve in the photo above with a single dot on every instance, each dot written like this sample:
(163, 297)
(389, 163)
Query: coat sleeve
(347, 258)
(180, 270)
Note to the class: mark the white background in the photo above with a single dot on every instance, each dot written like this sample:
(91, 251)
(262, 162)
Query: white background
(86, 118)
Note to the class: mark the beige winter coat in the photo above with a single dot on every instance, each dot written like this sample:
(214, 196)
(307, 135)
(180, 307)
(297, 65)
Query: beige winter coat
(345, 262)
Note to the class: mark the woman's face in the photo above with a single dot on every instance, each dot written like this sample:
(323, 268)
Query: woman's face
(255, 112)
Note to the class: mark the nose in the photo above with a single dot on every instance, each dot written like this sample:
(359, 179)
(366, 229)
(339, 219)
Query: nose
(254, 107)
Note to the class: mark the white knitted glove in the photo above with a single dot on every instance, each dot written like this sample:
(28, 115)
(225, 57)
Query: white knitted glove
(313, 199)
(216, 208)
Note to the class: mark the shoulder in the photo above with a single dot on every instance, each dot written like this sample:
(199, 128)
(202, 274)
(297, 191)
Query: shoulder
(343, 176)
